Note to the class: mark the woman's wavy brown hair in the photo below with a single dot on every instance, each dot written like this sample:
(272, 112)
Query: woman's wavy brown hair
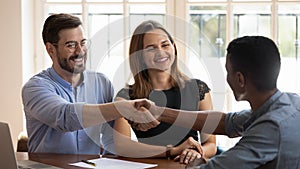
(142, 83)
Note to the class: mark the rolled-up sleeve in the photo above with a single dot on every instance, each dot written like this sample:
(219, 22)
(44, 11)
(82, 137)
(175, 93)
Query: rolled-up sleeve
(234, 123)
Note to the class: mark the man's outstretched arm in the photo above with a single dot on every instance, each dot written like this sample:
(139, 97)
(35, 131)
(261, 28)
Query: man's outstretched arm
(206, 121)
(212, 122)
(95, 114)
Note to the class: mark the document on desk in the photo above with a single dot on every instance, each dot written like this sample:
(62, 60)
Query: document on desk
(108, 163)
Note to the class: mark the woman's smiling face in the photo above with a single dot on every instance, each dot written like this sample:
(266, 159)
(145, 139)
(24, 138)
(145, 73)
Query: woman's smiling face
(159, 52)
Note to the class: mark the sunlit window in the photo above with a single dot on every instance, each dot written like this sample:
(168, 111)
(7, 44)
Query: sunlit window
(252, 20)
(288, 41)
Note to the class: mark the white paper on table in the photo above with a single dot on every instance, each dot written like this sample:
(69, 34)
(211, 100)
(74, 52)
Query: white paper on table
(108, 163)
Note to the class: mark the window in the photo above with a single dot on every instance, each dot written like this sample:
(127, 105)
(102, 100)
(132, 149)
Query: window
(288, 41)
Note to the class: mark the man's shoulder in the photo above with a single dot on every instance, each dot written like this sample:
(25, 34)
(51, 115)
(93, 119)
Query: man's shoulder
(292, 98)
(289, 102)
(38, 79)
(283, 109)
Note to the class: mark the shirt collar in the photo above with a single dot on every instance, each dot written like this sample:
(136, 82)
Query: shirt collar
(262, 109)
(62, 81)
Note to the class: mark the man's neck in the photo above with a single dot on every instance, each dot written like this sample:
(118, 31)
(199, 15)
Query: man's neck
(260, 97)
(74, 78)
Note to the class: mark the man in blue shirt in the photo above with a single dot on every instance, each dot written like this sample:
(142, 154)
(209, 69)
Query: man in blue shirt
(64, 105)
(268, 130)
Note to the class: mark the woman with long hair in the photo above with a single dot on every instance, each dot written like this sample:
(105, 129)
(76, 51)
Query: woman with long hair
(154, 66)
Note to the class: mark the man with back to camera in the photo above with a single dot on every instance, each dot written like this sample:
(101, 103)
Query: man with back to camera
(64, 104)
(268, 129)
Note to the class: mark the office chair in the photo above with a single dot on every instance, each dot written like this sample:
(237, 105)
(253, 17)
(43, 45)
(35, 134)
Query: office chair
(22, 143)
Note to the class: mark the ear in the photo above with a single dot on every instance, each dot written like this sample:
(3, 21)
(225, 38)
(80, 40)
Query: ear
(241, 81)
(50, 49)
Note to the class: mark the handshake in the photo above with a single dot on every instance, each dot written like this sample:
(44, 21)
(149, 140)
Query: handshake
(142, 114)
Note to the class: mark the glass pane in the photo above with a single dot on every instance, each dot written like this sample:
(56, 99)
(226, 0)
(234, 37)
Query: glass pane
(287, 35)
(105, 9)
(72, 9)
(207, 32)
(105, 25)
(250, 0)
(104, 0)
(140, 13)
(296, 1)
(64, 0)
(146, 0)
(100, 16)
(114, 65)
(252, 20)
(207, 0)
(251, 9)
(206, 37)
(288, 46)
(288, 30)
(289, 9)
(288, 42)
(147, 9)
(136, 19)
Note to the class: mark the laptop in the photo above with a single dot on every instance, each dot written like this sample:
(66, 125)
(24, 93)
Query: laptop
(7, 153)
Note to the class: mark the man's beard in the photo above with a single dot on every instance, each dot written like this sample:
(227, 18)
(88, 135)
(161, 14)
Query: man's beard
(64, 63)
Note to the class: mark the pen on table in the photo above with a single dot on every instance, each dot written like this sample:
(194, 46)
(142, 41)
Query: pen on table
(88, 162)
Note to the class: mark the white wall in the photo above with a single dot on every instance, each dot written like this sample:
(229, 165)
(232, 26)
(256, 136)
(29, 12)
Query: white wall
(13, 47)
(11, 65)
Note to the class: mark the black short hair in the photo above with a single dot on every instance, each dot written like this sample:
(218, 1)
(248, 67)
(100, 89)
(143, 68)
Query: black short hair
(57, 22)
(258, 58)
